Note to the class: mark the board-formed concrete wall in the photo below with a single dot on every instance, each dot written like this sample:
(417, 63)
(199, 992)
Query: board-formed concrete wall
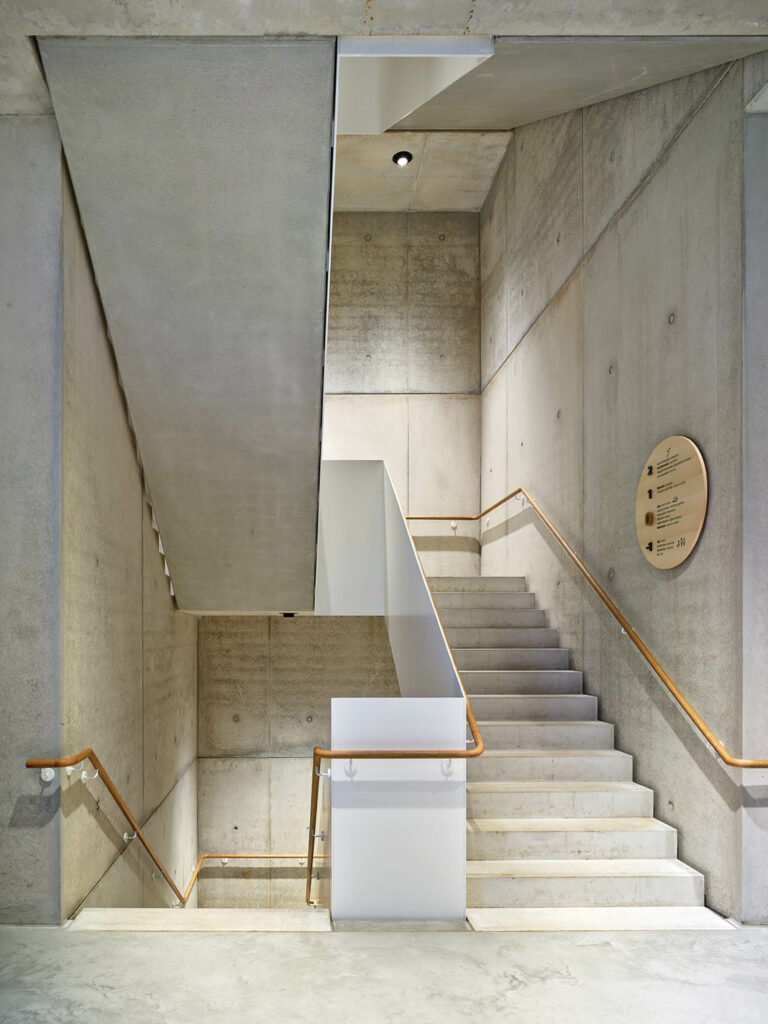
(402, 368)
(129, 658)
(30, 494)
(611, 298)
(266, 684)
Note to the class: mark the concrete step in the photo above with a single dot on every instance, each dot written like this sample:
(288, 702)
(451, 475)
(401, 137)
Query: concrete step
(533, 799)
(551, 765)
(595, 919)
(477, 584)
(483, 599)
(568, 838)
(535, 707)
(499, 636)
(208, 919)
(547, 735)
(521, 681)
(583, 883)
(494, 618)
(505, 658)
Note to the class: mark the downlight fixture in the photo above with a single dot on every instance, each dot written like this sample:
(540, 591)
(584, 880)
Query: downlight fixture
(403, 158)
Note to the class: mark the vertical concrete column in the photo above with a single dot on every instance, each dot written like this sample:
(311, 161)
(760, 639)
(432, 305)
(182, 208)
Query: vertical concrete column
(30, 512)
(755, 512)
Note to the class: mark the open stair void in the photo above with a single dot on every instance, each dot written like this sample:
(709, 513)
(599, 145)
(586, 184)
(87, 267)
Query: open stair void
(558, 834)
(202, 170)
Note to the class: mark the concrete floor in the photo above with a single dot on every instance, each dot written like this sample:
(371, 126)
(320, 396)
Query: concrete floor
(58, 976)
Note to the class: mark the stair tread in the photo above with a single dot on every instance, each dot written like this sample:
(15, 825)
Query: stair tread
(577, 723)
(577, 919)
(534, 696)
(567, 825)
(495, 650)
(619, 867)
(554, 786)
(553, 752)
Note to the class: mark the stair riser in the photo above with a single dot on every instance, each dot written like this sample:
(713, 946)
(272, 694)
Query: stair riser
(501, 659)
(476, 637)
(579, 708)
(475, 618)
(630, 804)
(547, 736)
(680, 891)
(523, 599)
(549, 683)
(478, 584)
(570, 845)
(616, 768)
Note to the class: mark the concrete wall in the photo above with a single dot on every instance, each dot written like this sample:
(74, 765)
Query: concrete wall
(402, 368)
(755, 498)
(266, 684)
(128, 666)
(611, 310)
(30, 440)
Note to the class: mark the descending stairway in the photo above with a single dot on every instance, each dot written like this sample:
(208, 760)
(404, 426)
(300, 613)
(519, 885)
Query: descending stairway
(554, 818)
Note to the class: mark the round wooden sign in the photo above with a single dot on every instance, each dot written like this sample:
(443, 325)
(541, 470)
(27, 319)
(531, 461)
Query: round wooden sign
(671, 502)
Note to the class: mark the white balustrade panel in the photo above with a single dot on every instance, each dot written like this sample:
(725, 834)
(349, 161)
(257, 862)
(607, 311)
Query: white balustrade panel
(398, 827)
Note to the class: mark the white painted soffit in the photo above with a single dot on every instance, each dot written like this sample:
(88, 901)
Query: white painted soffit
(202, 171)
(534, 78)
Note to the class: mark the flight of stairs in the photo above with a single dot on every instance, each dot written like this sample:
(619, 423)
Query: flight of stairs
(558, 834)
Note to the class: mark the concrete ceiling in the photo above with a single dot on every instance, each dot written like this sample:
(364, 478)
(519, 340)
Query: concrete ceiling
(530, 79)
(22, 89)
(202, 173)
(449, 170)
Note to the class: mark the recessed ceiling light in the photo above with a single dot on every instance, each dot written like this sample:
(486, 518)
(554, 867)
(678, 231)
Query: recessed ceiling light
(403, 158)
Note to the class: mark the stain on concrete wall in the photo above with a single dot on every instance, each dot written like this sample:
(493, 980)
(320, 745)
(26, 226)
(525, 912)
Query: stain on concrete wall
(266, 684)
(612, 318)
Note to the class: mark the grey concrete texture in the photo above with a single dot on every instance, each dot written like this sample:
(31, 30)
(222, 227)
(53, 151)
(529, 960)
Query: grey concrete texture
(550, 203)
(404, 304)
(449, 171)
(266, 685)
(541, 415)
(266, 682)
(132, 879)
(529, 80)
(129, 658)
(254, 805)
(22, 89)
(169, 649)
(754, 502)
(431, 445)
(30, 501)
(214, 289)
(651, 322)
(101, 582)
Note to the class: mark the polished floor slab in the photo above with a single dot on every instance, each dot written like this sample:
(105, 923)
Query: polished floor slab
(60, 976)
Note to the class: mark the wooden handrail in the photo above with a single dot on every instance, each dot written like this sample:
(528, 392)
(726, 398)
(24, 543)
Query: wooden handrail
(716, 744)
(89, 755)
(319, 755)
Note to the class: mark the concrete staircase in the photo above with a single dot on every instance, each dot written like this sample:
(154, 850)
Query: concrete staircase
(558, 834)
